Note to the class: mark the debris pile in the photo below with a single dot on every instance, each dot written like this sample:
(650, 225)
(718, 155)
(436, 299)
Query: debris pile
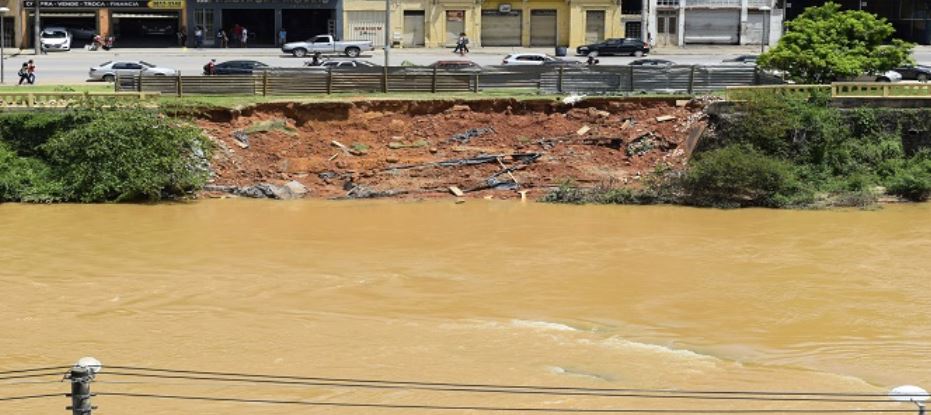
(494, 148)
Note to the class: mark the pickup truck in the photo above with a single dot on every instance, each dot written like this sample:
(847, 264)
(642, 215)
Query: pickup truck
(326, 44)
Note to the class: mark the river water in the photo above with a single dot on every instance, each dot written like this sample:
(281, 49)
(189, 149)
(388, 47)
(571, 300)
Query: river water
(483, 292)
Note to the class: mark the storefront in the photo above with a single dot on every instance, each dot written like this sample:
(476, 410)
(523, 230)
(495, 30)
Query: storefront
(714, 26)
(263, 19)
(543, 30)
(501, 27)
(366, 25)
(132, 22)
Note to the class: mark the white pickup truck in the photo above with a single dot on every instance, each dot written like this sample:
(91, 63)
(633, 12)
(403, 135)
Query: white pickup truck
(326, 44)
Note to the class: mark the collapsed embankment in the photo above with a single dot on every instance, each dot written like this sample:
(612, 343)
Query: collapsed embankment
(423, 148)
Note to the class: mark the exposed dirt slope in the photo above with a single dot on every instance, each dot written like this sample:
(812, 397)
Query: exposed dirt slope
(421, 148)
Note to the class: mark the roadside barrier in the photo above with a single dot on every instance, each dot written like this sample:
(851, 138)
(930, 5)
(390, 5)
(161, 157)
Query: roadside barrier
(855, 90)
(12, 100)
(545, 79)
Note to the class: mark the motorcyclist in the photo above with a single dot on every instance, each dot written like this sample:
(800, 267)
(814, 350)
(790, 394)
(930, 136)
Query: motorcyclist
(211, 67)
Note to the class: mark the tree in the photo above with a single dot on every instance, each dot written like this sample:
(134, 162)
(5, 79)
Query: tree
(825, 44)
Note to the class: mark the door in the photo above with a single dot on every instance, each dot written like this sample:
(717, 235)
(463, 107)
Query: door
(713, 26)
(667, 29)
(455, 24)
(594, 26)
(543, 28)
(367, 25)
(414, 28)
(204, 19)
(633, 30)
(501, 28)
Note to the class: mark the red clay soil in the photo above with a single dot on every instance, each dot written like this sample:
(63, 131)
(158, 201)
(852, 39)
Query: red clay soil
(398, 148)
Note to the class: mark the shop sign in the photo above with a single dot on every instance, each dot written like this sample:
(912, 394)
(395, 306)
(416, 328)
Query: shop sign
(166, 4)
(269, 2)
(84, 4)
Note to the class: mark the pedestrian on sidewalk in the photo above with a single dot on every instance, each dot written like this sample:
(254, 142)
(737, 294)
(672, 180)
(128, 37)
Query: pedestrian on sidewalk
(182, 37)
(244, 37)
(282, 37)
(31, 72)
(222, 39)
(198, 37)
(23, 73)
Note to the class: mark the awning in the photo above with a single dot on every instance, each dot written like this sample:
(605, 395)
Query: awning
(46, 14)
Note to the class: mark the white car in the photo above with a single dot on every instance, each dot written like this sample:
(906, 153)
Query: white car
(55, 38)
(527, 59)
(109, 70)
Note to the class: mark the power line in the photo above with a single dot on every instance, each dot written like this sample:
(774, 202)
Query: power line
(24, 397)
(35, 369)
(498, 409)
(501, 391)
(502, 387)
(31, 375)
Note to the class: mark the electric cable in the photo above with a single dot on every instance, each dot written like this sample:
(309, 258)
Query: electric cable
(494, 408)
(35, 369)
(504, 391)
(24, 397)
(31, 375)
(496, 386)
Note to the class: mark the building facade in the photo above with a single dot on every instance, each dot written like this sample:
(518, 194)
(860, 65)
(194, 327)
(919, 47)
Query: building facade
(911, 18)
(671, 23)
(136, 23)
(438, 23)
(264, 19)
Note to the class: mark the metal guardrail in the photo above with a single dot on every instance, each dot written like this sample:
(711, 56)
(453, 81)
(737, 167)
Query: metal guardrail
(858, 90)
(588, 80)
(66, 99)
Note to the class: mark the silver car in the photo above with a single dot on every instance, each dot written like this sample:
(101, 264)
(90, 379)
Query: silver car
(108, 71)
(55, 38)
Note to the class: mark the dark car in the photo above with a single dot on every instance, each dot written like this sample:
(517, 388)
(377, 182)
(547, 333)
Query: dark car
(457, 65)
(915, 72)
(240, 67)
(627, 46)
(747, 59)
(651, 62)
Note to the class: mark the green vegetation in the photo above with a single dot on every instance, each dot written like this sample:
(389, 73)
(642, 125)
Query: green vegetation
(98, 155)
(787, 151)
(825, 44)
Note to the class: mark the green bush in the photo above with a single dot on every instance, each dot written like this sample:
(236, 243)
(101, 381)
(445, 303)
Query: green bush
(742, 176)
(128, 155)
(24, 179)
(912, 181)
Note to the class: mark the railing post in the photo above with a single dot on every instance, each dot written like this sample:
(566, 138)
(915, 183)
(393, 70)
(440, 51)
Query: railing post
(631, 80)
(180, 87)
(475, 87)
(887, 89)
(433, 85)
(559, 80)
(385, 81)
(692, 80)
(265, 83)
(329, 81)
(30, 100)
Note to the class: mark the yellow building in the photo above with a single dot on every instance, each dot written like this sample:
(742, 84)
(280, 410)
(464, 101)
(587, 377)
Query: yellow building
(528, 23)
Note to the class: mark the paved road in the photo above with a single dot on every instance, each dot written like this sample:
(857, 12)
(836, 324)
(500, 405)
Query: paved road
(72, 67)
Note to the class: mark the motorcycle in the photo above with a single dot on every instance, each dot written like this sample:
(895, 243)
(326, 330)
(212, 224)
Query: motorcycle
(101, 43)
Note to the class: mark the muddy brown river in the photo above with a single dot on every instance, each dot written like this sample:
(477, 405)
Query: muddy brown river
(484, 292)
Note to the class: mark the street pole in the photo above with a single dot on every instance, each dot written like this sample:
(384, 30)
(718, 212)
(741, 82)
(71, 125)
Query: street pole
(81, 390)
(764, 38)
(3, 12)
(37, 30)
(387, 30)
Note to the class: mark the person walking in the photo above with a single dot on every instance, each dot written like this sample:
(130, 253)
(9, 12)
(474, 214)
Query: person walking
(221, 38)
(182, 37)
(23, 73)
(236, 32)
(31, 72)
(198, 37)
(244, 37)
(282, 37)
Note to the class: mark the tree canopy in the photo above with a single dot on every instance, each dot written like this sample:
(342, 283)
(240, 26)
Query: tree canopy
(825, 44)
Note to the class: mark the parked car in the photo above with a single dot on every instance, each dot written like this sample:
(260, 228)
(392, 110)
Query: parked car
(915, 72)
(55, 38)
(527, 59)
(563, 62)
(651, 62)
(341, 64)
(326, 44)
(746, 59)
(625, 46)
(457, 65)
(888, 76)
(240, 67)
(109, 70)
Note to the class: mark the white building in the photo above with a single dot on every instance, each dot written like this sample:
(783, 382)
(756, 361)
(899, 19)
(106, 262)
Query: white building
(669, 23)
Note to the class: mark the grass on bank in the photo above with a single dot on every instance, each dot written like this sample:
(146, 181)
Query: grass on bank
(788, 151)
